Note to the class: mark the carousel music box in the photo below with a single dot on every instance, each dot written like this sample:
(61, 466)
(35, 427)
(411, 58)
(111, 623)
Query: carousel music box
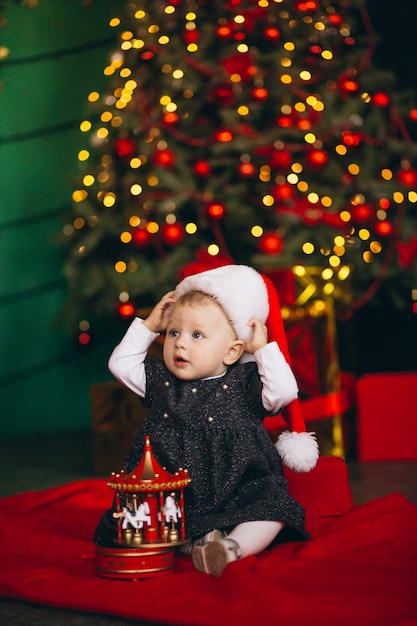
(150, 521)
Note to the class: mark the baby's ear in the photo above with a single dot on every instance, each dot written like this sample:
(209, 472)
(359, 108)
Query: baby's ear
(234, 352)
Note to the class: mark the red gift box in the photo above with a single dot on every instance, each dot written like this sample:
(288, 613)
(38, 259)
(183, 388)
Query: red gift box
(387, 416)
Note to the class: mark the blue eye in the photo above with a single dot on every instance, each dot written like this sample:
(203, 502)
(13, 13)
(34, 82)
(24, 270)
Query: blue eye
(197, 335)
(173, 333)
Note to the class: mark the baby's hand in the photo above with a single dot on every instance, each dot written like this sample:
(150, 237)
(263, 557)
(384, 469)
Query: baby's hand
(260, 336)
(158, 318)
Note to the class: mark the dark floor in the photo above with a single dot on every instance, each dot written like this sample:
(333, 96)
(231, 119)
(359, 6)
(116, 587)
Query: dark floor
(32, 463)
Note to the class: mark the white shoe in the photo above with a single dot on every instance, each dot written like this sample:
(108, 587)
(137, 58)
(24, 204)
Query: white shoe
(213, 557)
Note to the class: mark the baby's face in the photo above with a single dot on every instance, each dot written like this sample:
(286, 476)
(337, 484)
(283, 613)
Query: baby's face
(197, 340)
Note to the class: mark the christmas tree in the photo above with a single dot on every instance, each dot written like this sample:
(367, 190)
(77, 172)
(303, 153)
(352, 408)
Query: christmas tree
(256, 132)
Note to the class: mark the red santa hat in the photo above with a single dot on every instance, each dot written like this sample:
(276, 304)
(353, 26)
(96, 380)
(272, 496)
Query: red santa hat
(244, 293)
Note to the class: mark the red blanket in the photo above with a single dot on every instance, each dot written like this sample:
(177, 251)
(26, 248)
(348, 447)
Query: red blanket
(359, 567)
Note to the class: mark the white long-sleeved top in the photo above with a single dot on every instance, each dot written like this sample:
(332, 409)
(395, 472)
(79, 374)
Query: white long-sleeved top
(126, 363)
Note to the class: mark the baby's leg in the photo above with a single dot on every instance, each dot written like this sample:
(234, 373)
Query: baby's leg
(253, 537)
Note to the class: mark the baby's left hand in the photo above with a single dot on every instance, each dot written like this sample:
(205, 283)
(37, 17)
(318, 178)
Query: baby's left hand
(260, 336)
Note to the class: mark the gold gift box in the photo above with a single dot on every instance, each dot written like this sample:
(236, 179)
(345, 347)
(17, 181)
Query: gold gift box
(310, 325)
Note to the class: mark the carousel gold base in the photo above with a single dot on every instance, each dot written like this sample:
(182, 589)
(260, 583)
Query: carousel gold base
(134, 562)
(131, 563)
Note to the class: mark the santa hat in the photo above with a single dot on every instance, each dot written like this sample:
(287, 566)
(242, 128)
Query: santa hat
(244, 293)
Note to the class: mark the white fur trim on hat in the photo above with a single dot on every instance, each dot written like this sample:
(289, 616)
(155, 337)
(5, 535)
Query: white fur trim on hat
(239, 289)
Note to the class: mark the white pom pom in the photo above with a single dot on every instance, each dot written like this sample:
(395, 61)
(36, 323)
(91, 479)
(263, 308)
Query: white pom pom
(299, 451)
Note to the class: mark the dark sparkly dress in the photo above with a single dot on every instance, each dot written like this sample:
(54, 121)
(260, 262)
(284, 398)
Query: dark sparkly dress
(214, 428)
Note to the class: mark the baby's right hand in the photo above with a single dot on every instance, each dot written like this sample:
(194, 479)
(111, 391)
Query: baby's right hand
(158, 318)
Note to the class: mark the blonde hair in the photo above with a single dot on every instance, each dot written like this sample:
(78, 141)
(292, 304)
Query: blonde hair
(195, 297)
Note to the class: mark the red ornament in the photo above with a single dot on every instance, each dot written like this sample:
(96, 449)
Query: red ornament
(202, 168)
(285, 121)
(270, 243)
(347, 85)
(384, 203)
(311, 214)
(407, 177)
(315, 49)
(224, 31)
(247, 170)
(384, 228)
(362, 213)
(241, 64)
(306, 5)
(260, 93)
(84, 338)
(335, 19)
(125, 148)
(350, 138)
(170, 118)
(304, 123)
(272, 33)
(147, 55)
(413, 115)
(381, 99)
(141, 237)
(316, 159)
(164, 158)
(215, 210)
(126, 310)
(172, 234)
(280, 159)
(283, 192)
(191, 36)
(224, 136)
(239, 36)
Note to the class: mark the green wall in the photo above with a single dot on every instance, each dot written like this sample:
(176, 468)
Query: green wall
(57, 54)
